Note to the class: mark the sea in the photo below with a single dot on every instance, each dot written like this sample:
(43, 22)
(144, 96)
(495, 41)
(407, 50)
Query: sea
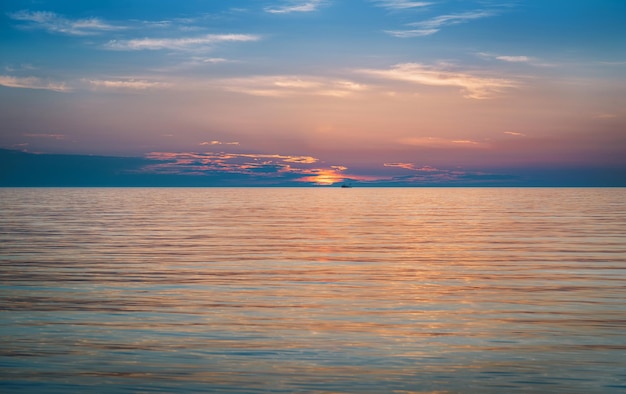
(313, 290)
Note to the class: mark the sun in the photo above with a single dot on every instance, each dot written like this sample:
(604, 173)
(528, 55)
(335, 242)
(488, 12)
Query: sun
(324, 177)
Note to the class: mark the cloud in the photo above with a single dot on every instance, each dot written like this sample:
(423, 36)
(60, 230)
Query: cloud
(180, 44)
(213, 60)
(291, 85)
(32, 83)
(515, 134)
(299, 6)
(132, 84)
(269, 168)
(514, 59)
(412, 174)
(506, 58)
(411, 166)
(55, 23)
(431, 175)
(519, 59)
(274, 167)
(401, 4)
(434, 25)
(465, 142)
(204, 143)
(435, 142)
(472, 86)
(452, 19)
(411, 33)
(234, 158)
(46, 136)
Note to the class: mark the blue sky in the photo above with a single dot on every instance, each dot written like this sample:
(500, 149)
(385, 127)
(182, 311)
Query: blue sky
(365, 90)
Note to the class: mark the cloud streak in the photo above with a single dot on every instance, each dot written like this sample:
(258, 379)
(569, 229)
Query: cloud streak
(427, 175)
(54, 136)
(434, 25)
(412, 167)
(514, 59)
(32, 83)
(307, 6)
(55, 23)
(215, 142)
(401, 4)
(434, 142)
(291, 85)
(472, 86)
(132, 84)
(178, 44)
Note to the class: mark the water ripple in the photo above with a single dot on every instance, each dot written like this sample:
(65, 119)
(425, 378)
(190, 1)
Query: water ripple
(313, 290)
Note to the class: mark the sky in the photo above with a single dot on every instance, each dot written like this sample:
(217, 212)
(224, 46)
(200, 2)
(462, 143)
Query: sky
(320, 92)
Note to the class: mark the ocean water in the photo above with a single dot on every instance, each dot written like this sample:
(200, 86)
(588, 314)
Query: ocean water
(360, 290)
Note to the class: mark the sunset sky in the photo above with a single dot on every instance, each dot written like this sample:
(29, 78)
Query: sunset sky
(396, 92)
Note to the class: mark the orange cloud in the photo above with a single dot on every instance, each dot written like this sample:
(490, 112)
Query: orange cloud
(412, 167)
(214, 142)
(437, 142)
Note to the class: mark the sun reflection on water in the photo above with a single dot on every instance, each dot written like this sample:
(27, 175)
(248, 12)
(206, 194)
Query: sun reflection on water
(379, 290)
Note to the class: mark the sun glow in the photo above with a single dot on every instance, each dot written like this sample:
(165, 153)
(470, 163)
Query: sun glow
(324, 177)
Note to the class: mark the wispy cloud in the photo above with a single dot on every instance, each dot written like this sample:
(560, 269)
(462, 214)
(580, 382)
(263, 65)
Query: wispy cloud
(411, 33)
(21, 67)
(465, 142)
(516, 134)
(179, 44)
(190, 62)
(412, 167)
(452, 19)
(514, 59)
(401, 4)
(212, 60)
(32, 83)
(411, 173)
(295, 6)
(290, 85)
(55, 23)
(215, 142)
(472, 86)
(133, 84)
(54, 136)
(431, 175)
(435, 142)
(434, 25)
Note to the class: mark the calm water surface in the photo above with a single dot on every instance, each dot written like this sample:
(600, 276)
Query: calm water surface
(313, 290)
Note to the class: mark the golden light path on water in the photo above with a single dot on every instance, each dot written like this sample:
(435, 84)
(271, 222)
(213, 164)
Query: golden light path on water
(313, 290)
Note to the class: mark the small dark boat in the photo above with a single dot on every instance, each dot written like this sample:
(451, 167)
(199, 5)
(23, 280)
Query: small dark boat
(345, 186)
